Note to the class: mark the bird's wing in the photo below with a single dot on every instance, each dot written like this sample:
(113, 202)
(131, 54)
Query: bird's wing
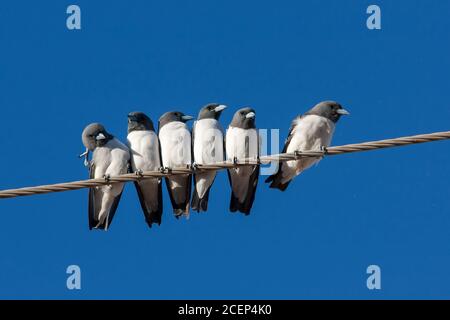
(146, 156)
(92, 198)
(103, 200)
(253, 183)
(286, 145)
(250, 184)
(193, 141)
(179, 186)
(95, 205)
(290, 134)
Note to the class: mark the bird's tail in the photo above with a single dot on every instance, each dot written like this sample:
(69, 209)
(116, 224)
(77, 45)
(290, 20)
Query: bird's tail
(275, 182)
(200, 204)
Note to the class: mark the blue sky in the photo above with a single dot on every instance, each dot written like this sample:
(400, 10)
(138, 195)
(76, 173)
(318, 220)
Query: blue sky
(388, 207)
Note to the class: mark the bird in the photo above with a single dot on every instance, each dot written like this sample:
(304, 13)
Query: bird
(144, 148)
(310, 131)
(208, 148)
(242, 142)
(110, 157)
(176, 151)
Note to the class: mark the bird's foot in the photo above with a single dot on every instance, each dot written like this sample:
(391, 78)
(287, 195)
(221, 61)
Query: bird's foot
(139, 173)
(324, 151)
(297, 154)
(107, 178)
(165, 170)
(235, 161)
(193, 166)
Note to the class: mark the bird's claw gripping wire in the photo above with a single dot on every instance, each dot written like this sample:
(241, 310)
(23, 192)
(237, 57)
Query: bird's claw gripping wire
(107, 178)
(193, 167)
(324, 151)
(165, 170)
(235, 161)
(139, 173)
(297, 154)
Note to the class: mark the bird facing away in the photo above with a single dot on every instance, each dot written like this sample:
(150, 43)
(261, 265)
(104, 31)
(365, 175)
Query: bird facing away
(145, 156)
(242, 142)
(311, 131)
(110, 158)
(207, 139)
(175, 140)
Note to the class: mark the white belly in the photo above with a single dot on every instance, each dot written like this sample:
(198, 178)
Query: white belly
(144, 148)
(175, 140)
(208, 142)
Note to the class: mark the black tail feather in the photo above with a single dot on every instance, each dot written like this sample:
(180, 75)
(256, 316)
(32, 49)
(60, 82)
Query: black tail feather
(151, 217)
(246, 206)
(198, 204)
(275, 182)
(181, 208)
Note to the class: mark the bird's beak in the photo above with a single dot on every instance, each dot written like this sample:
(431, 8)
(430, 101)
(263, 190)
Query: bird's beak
(100, 136)
(343, 112)
(220, 108)
(187, 118)
(250, 115)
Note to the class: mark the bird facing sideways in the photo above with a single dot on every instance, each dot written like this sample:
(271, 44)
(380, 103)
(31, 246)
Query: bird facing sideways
(175, 141)
(310, 131)
(145, 156)
(110, 157)
(242, 142)
(208, 147)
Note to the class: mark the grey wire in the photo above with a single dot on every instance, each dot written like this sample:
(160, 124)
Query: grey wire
(331, 151)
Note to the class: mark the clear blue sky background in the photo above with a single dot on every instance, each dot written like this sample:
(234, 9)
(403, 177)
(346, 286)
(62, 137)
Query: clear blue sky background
(389, 207)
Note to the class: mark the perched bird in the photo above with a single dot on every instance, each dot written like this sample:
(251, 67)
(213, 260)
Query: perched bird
(207, 139)
(145, 156)
(175, 140)
(110, 158)
(311, 131)
(242, 142)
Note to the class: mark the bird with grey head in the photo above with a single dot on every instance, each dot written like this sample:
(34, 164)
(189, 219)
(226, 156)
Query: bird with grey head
(110, 158)
(145, 156)
(208, 145)
(175, 140)
(139, 121)
(311, 131)
(242, 142)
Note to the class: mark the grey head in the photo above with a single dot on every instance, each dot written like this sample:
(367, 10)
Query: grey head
(95, 135)
(244, 118)
(138, 121)
(211, 111)
(328, 109)
(172, 116)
